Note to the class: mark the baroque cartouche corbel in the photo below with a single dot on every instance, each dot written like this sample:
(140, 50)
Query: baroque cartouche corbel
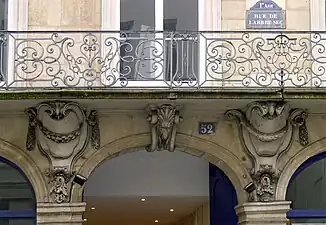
(163, 120)
(266, 131)
(61, 130)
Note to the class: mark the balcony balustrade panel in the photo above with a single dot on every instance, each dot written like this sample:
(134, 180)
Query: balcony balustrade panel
(100, 59)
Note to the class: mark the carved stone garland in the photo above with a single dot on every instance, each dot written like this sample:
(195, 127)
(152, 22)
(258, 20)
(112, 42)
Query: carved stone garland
(163, 121)
(266, 131)
(61, 130)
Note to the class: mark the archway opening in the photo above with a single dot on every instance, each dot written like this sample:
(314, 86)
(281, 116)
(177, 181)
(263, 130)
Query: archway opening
(17, 197)
(143, 188)
(307, 192)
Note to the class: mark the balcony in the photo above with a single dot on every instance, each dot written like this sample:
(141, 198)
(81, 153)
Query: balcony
(162, 60)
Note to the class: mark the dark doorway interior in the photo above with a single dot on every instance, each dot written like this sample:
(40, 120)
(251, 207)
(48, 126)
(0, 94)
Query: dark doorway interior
(223, 198)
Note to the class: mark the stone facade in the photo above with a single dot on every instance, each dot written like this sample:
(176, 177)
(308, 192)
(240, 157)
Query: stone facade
(259, 141)
(96, 14)
(114, 132)
(64, 14)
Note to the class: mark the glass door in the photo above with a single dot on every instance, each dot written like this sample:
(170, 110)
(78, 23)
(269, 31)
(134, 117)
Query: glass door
(158, 41)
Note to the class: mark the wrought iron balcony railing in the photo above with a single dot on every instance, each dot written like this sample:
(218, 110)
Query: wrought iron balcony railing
(100, 59)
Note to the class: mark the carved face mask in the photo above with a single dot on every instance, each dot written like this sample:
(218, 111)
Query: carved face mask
(265, 181)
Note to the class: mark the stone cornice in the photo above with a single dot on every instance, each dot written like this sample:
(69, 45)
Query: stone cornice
(234, 93)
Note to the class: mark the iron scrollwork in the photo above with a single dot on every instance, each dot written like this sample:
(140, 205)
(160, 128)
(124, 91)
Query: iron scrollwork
(117, 59)
(105, 60)
(294, 60)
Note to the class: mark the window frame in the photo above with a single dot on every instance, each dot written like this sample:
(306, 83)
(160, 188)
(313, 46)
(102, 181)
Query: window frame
(20, 214)
(318, 23)
(111, 22)
(306, 213)
(17, 20)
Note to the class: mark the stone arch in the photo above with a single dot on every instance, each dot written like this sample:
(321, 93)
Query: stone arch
(221, 157)
(294, 163)
(28, 167)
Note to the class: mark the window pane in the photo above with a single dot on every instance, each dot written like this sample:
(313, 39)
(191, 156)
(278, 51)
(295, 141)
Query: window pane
(3, 14)
(15, 192)
(181, 50)
(307, 190)
(17, 221)
(177, 15)
(137, 14)
(3, 26)
(308, 221)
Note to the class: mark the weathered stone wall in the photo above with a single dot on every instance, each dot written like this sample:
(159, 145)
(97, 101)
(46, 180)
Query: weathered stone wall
(64, 14)
(130, 130)
(122, 132)
(219, 14)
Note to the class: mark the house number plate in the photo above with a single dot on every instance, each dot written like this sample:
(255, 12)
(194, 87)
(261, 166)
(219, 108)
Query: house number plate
(207, 128)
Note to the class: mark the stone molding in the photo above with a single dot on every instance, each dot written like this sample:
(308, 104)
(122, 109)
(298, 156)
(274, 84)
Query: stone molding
(29, 167)
(263, 213)
(62, 131)
(266, 131)
(210, 151)
(293, 163)
(60, 214)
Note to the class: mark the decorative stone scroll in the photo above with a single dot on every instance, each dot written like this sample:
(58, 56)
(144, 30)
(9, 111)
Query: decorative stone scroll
(163, 121)
(266, 130)
(61, 130)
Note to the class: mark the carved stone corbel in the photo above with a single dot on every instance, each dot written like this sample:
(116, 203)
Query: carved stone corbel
(163, 121)
(62, 131)
(266, 131)
(265, 180)
(60, 179)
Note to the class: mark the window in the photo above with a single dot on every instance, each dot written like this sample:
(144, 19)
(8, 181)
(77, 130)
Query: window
(171, 52)
(13, 17)
(3, 26)
(307, 192)
(17, 200)
(3, 14)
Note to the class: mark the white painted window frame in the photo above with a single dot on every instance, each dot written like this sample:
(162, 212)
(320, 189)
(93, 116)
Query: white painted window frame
(111, 21)
(317, 22)
(317, 15)
(212, 22)
(17, 21)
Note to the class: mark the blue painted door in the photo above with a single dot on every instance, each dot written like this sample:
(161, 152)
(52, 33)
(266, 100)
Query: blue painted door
(223, 198)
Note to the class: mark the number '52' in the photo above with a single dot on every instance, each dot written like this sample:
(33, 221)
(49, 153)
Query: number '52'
(207, 129)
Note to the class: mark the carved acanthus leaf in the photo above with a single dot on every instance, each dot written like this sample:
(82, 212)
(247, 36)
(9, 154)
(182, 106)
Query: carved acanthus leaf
(60, 178)
(298, 118)
(267, 110)
(95, 129)
(31, 133)
(163, 121)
